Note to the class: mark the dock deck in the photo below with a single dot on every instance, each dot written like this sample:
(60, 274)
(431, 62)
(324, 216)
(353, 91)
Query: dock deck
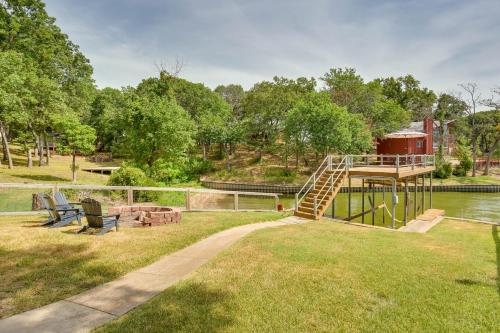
(390, 171)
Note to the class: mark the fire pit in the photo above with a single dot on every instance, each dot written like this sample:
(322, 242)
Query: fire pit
(146, 215)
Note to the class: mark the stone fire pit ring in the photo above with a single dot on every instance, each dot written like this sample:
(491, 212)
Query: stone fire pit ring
(147, 215)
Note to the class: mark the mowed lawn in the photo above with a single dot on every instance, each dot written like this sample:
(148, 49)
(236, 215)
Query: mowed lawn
(40, 265)
(328, 277)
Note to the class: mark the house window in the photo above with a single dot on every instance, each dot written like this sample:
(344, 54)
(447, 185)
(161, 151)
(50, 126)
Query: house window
(420, 144)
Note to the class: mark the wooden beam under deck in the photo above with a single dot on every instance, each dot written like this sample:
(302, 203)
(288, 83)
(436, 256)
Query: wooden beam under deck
(386, 171)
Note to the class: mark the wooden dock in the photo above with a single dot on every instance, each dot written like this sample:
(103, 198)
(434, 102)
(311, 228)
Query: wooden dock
(390, 171)
(101, 170)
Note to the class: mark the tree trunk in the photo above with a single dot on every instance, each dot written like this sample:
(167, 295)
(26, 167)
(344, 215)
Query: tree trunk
(297, 156)
(204, 146)
(228, 156)
(488, 158)
(39, 147)
(5, 143)
(474, 157)
(73, 167)
(30, 159)
(47, 155)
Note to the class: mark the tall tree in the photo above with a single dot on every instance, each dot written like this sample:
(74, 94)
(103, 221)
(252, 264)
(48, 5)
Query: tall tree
(75, 137)
(488, 134)
(448, 108)
(156, 128)
(266, 106)
(408, 93)
(233, 94)
(472, 100)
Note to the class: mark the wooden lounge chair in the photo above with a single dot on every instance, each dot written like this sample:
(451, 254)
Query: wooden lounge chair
(95, 218)
(45, 205)
(62, 202)
(62, 216)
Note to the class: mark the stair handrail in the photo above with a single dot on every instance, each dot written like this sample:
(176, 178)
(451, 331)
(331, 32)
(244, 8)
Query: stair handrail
(339, 167)
(313, 177)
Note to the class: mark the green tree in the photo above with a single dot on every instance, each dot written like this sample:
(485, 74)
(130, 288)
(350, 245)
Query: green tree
(75, 137)
(448, 108)
(408, 93)
(106, 110)
(487, 131)
(156, 128)
(347, 88)
(266, 106)
(233, 94)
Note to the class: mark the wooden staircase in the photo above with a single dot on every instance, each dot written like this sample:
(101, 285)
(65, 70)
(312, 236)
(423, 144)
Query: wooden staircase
(321, 191)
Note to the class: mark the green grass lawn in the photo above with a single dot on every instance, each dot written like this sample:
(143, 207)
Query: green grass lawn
(329, 277)
(39, 265)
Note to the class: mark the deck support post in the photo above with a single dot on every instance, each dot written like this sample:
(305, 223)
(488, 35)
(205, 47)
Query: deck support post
(383, 200)
(405, 220)
(423, 193)
(373, 203)
(394, 198)
(363, 200)
(130, 197)
(349, 201)
(430, 190)
(333, 208)
(415, 199)
(188, 200)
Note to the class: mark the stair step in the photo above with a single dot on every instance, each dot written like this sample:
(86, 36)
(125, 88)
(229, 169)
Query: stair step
(305, 215)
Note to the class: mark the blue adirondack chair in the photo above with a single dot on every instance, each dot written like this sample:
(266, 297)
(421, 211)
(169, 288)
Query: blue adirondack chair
(62, 216)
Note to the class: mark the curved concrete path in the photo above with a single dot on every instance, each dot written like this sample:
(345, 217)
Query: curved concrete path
(92, 308)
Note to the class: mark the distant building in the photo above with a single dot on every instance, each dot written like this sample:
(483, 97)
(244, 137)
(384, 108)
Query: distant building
(417, 139)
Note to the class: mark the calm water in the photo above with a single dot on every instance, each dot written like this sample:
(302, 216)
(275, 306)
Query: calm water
(484, 206)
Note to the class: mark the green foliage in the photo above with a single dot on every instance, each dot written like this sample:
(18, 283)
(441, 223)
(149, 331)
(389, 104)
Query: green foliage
(443, 170)
(347, 88)
(406, 91)
(74, 135)
(156, 128)
(133, 176)
(464, 155)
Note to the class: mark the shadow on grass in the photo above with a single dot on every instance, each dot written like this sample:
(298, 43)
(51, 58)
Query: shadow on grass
(189, 307)
(46, 178)
(45, 273)
(494, 232)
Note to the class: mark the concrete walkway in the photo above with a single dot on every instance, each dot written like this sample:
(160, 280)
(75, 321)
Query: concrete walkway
(424, 222)
(92, 308)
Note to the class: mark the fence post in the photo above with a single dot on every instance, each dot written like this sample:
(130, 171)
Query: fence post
(296, 201)
(413, 162)
(54, 190)
(130, 197)
(276, 201)
(397, 163)
(236, 201)
(188, 200)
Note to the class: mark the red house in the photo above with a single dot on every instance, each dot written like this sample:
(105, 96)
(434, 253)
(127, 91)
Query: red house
(417, 139)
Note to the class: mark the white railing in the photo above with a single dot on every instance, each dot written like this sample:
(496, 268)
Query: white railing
(339, 170)
(311, 182)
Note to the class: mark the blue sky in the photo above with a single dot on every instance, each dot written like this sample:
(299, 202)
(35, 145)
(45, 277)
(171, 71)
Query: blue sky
(441, 42)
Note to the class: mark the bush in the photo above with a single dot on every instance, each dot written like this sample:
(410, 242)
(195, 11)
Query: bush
(443, 170)
(132, 176)
(463, 154)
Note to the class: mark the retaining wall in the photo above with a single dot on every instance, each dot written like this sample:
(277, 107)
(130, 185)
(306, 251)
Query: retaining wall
(292, 189)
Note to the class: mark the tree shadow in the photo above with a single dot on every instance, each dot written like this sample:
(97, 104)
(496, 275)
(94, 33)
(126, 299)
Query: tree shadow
(188, 307)
(46, 178)
(496, 239)
(45, 273)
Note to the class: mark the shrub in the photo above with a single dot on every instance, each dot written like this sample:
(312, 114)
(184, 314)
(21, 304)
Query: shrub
(443, 170)
(463, 154)
(132, 176)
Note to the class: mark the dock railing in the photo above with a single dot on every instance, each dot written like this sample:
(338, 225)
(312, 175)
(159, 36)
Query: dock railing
(18, 197)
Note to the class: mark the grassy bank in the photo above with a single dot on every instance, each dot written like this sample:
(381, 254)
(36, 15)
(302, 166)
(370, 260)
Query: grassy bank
(327, 277)
(39, 265)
